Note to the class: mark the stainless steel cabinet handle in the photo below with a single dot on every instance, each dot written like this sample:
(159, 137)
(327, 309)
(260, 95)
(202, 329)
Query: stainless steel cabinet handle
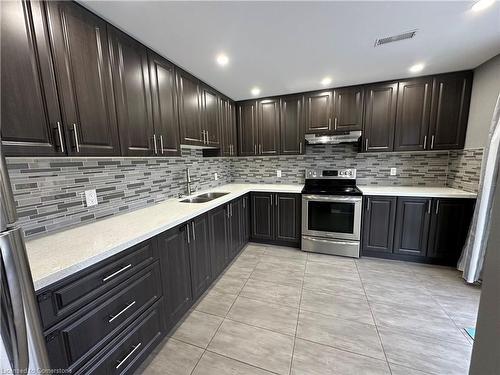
(368, 204)
(207, 136)
(329, 123)
(113, 317)
(134, 348)
(188, 235)
(429, 207)
(425, 142)
(155, 145)
(75, 133)
(300, 147)
(432, 142)
(117, 272)
(194, 233)
(59, 131)
(276, 198)
(260, 149)
(366, 144)
(244, 202)
(255, 149)
(161, 143)
(335, 123)
(437, 207)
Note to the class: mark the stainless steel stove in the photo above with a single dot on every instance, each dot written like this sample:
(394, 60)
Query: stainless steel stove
(331, 212)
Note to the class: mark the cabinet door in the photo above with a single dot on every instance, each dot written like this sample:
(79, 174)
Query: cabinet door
(199, 255)
(235, 212)
(288, 217)
(262, 214)
(83, 69)
(450, 223)
(164, 99)
(133, 94)
(412, 225)
(225, 128)
(219, 237)
(413, 114)
(450, 110)
(29, 104)
(210, 116)
(268, 122)
(232, 128)
(188, 91)
(292, 125)
(378, 223)
(380, 117)
(247, 128)
(318, 112)
(245, 219)
(176, 275)
(348, 108)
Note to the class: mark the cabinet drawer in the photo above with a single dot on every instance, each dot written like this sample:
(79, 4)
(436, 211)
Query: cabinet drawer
(130, 348)
(76, 339)
(80, 289)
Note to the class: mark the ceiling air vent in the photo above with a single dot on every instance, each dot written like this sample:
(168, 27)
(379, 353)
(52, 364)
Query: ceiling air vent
(395, 38)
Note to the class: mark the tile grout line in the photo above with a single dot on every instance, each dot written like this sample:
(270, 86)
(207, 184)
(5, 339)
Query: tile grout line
(373, 317)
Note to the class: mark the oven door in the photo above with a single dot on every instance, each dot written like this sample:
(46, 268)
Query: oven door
(331, 216)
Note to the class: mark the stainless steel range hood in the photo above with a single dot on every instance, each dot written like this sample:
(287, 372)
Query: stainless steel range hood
(333, 139)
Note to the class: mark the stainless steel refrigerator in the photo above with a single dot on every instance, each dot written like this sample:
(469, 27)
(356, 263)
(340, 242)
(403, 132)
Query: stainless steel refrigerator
(22, 348)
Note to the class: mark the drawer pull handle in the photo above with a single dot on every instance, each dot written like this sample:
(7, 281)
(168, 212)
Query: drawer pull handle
(116, 273)
(134, 348)
(113, 317)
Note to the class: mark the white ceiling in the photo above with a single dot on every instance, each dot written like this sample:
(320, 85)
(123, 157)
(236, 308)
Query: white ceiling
(286, 47)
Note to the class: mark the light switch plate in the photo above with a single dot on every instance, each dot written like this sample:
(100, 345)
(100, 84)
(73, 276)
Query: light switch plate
(393, 171)
(91, 197)
(278, 173)
(215, 176)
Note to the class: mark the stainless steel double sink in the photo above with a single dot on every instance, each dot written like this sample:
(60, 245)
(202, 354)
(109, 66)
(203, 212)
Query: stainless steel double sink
(202, 198)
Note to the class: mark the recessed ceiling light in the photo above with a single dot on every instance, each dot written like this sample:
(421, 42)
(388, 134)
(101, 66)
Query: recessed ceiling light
(417, 68)
(326, 81)
(222, 59)
(255, 91)
(482, 4)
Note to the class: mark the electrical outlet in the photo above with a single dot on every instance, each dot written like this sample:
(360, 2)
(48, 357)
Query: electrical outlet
(278, 173)
(91, 197)
(215, 176)
(393, 171)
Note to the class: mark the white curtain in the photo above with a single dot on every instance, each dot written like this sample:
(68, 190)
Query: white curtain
(472, 258)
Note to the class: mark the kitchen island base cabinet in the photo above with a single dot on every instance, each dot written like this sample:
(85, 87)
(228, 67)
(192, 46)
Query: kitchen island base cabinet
(276, 218)
(426, 230)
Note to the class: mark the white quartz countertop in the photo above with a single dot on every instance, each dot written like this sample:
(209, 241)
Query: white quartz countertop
(56, 256)
(414, 191)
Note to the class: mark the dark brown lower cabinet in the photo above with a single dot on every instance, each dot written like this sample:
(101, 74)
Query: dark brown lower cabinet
(276, 218)
(450, 221)
(176, 273)
(199, 255)
(412, 225)
(378, 228)
(219, 239)
(429, 230)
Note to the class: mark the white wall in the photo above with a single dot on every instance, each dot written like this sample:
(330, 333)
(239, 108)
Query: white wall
(485, 91)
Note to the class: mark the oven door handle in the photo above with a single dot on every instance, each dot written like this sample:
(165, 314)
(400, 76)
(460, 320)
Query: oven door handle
(329, 198)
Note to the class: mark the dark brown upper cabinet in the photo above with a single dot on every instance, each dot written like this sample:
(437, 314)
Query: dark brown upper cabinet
(450, 110)
(247, 128)
(318, 112)
(227, 119)
(81, 58)
(164, 100)
(30, 117)
(348, 108)
(292, 125)
(413, 114)
(268, 125)
(380, 117)
(210, 116)
(133, 94)
(188, 91)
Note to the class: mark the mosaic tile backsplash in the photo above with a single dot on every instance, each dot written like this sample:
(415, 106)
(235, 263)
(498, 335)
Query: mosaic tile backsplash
(49, 191)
